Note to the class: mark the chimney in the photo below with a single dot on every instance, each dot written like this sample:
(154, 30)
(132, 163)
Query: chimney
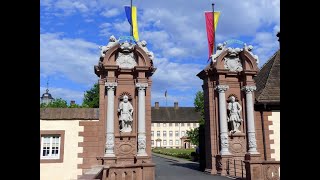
(156, 105)
(176, 106)
(72, 102)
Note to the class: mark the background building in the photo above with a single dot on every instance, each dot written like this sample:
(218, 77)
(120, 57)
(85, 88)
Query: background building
(170, 125)
(46, 97)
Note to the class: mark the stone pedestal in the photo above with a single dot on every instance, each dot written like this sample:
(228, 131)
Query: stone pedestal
(221, 164)
(127, 69)
(237, 144)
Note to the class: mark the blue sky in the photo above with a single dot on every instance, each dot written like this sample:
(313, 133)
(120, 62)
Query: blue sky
(72, 30)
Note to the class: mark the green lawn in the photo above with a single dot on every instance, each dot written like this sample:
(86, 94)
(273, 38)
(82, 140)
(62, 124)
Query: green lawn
(180, 153)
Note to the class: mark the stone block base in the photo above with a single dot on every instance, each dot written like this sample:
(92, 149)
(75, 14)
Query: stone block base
(139, 168)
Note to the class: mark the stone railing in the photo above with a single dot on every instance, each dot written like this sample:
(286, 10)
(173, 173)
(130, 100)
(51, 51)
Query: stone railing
(134, 171)
(93, 174)
(261, 170)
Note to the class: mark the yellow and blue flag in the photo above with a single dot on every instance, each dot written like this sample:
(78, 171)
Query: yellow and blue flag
(132, 19)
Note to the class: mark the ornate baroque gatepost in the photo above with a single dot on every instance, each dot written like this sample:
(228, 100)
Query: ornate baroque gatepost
(228, 109)
(126, 67)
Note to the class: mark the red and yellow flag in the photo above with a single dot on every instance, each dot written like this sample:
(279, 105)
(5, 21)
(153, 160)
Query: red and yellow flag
(211, 28)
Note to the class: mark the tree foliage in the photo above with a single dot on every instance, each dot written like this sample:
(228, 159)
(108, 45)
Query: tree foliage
(193, 135)
(91, 97)
(57, 103)
(60, 103)
(199, 105)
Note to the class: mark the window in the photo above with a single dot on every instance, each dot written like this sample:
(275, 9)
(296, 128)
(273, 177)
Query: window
(170, 133)
(164, 124)
(188, 124)
(194, 124)
(182, 133)
(164, 142)
(152, 142)
(177, 142)
(170, 142)
(152, 124)
(170, 124)
(176, 124)
(182, 124)
(158, 124)
(177, 133)
(158, 133)
(52, 146)
(164, 133)
(152, 133)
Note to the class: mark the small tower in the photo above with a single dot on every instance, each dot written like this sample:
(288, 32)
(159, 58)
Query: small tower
(46, 97)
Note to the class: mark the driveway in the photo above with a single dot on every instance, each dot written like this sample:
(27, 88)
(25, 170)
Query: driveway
(179, 169)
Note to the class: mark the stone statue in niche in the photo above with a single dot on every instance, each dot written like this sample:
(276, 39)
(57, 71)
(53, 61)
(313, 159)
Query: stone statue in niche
(126, 58)
(126, 111)
(234, 117)
(249, 49)
(103, 49)
(232, 61)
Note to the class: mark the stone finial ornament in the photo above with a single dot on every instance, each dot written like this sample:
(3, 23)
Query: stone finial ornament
(103, 49)
(143, 45)
(220, 49)
(249, 49)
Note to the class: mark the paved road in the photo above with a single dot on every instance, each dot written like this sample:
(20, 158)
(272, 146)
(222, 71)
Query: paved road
(174, 169)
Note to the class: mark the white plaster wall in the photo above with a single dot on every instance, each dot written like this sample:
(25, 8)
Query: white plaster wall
(275, 118)
(66, 170)
(167, 128)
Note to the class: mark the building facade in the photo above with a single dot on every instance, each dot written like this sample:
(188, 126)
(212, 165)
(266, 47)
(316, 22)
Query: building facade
(170, 125)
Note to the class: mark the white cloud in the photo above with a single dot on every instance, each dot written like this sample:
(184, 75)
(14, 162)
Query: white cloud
(89, 20)
(66, 94)
(68, 58)
(121, 28)
(179, 79)
(184, 22)
(266, 45)
(177, 76)
(110, 12)
(105, 29)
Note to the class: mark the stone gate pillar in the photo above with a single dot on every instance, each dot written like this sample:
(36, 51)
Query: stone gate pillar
(127, 69)
(229, 114)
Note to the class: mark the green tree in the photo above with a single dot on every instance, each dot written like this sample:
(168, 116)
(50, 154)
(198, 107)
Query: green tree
(199, 106)
(57, 103)
(193, 135)
(91, 97)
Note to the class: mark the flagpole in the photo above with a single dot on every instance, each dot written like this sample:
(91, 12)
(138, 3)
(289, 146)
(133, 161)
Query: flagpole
(214, 31)
(131, 27)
